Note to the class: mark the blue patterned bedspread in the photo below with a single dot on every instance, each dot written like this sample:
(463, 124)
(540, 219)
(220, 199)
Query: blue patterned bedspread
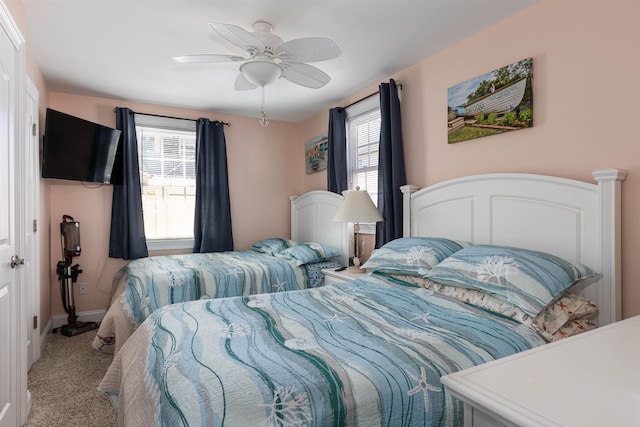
(146, 284)
(364, 353)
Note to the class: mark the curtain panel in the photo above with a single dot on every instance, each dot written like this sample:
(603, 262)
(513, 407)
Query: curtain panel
(337, 151)
(127, 239)
(391, 171)
(212, 222)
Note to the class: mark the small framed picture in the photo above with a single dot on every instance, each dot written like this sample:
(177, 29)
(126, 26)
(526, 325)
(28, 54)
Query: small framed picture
(315, 154)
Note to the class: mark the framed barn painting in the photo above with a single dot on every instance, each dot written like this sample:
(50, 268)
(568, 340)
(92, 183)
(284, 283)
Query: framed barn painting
(495, 102)
(315, 154)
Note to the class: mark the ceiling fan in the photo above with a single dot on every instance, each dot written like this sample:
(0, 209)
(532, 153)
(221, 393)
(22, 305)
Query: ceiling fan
(269, 58)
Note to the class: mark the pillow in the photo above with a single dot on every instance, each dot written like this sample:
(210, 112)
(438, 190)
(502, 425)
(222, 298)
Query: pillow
(412, 255)
(564, 312)
(527, 279)
(574, 327)
(272, 246)
(568, 315)
(305, 253)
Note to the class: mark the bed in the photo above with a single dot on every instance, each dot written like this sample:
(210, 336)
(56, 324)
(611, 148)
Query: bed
(272, 265)
(372, 351)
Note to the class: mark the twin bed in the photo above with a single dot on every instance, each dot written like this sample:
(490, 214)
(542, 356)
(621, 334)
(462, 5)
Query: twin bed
(372, 351)
(146, 284)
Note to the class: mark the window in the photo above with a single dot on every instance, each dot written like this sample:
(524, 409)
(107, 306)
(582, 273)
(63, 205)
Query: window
(363, 142)
(167, 154)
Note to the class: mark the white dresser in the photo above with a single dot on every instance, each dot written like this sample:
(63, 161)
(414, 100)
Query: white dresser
(592, 379)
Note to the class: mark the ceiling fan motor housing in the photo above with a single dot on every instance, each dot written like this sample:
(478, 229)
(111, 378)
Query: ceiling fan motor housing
(262, 31)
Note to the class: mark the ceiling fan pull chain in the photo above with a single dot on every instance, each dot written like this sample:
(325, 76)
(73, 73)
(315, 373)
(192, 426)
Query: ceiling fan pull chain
(263, 116)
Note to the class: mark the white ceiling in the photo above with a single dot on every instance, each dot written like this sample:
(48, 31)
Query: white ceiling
(123, 48)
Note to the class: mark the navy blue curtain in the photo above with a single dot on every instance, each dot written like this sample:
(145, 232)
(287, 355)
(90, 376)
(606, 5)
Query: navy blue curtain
(127, 239)
(391, 173)
(337, 151)
(212, 223)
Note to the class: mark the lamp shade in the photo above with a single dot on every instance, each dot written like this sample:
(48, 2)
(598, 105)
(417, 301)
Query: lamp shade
(357, 207)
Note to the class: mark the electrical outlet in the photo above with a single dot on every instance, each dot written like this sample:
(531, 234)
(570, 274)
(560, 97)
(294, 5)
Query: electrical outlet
(82, 287)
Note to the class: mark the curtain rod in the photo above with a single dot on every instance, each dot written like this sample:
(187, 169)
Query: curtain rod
(170, 117)
(398, 85)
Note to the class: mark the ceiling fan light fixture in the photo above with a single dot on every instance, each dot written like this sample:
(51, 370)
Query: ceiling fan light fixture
(261, 72)
(270, 58)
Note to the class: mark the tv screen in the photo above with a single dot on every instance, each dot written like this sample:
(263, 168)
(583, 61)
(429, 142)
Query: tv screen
(80, 150)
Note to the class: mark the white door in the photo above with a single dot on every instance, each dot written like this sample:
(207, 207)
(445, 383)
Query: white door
(8, 276)
(31, 177)
(12, 329)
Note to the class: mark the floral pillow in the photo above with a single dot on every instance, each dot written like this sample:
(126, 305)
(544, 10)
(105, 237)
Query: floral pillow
(573, 327)
(273, 245)
(412, 255)
(568, 315)
(527, 279)
(305, 253)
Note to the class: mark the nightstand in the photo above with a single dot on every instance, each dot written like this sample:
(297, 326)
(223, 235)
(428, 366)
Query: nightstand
(591, 379)
(333, 277)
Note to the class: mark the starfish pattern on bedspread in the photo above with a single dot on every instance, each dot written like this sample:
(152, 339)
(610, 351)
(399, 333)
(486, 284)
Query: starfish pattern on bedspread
(423, 386)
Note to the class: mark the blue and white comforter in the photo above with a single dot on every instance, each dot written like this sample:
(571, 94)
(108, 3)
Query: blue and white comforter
(146, 284)
(364, 353)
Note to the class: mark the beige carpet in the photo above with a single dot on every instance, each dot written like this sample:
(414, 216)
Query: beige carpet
(63, 384)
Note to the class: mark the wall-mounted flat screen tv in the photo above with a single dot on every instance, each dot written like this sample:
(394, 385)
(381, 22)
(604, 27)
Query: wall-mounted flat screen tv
(80, 150)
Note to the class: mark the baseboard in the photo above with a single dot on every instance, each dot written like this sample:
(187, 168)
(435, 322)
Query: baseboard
(84, 316)
(44, 336)
(29, 401)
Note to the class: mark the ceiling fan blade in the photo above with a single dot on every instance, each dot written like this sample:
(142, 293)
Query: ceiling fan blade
(208, 57)
(308, 49)
(242, 83)
(306, 75)
(238, 36)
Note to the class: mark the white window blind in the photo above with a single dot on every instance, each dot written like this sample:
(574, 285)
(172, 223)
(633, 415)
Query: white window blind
(363, 142)
(166, 150)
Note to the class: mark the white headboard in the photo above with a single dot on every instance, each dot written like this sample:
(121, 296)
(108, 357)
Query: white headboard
(574, 220)
(312, 221)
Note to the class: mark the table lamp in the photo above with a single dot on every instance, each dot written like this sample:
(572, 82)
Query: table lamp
(357, 207)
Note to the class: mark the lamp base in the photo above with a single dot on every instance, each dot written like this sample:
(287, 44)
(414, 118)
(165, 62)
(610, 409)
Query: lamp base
(356, 270)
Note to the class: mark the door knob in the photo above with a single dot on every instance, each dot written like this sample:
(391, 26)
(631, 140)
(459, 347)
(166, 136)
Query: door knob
(16, 261)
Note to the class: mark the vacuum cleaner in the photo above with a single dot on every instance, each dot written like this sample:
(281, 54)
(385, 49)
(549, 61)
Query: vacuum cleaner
(68, 275)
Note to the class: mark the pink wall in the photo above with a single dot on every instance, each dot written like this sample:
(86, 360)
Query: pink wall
(262, 163)
(586, 82)
(16, 8)
(586, 71)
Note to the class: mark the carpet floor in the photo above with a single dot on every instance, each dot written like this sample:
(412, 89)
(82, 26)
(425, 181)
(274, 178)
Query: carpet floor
(63, 384)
